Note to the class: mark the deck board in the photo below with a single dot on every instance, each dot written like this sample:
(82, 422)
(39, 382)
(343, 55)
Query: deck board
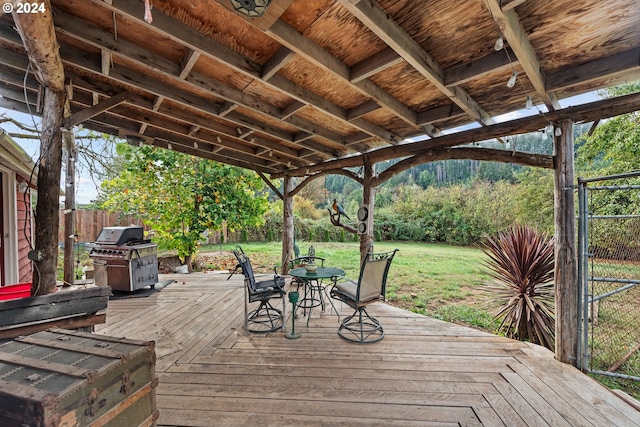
(424, 372)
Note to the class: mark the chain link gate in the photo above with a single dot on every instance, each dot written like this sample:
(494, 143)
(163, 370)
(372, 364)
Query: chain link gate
(609, 271)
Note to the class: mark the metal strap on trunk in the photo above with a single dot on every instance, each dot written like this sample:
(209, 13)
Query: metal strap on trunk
(59, 368)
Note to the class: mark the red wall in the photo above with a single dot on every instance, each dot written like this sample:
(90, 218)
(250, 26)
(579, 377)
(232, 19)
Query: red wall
(23, 203)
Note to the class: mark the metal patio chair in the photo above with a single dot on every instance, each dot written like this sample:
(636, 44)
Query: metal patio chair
(265, 318)
(360, 327)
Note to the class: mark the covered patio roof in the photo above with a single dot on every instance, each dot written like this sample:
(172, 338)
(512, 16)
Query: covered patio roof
(318, 80)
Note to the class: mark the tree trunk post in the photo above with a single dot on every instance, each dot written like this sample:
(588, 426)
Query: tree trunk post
(566, 276)
(39, 39)
(368, 196)
(69, 208)
(47, 217)
(287, 224)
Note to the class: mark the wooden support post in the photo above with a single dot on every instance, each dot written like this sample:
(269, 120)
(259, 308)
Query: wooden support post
(69, 208)
(39, 39)
(47, 217)
(287, 224)
(368, 196)
(566, 276)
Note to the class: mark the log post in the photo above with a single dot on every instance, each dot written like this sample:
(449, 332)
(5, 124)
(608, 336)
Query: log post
(39, 39)
(47, 219)
(368, 196)
(287, 224)
(566, 276)
(69, 208)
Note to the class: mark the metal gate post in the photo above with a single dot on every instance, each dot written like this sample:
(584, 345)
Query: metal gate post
(583, 275)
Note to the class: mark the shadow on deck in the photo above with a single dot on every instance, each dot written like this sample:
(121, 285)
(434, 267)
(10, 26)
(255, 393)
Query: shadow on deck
(425, 372)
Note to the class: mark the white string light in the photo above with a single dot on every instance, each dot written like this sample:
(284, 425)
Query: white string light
(512, 80)
(499, 43)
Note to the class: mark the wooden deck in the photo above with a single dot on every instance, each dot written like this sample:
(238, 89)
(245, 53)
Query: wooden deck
(423, 373)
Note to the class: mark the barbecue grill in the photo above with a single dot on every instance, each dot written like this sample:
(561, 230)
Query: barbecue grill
(124, 260)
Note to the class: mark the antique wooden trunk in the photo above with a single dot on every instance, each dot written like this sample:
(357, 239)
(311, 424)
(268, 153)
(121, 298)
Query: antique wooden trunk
(63, 378)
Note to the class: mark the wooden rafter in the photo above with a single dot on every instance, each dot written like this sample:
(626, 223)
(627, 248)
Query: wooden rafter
(514, 32)
(175, 30)
(81, 116)
(394, 36)
(303, 125)
(288, 36)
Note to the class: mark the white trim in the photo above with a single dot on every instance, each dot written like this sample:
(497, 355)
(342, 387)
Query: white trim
(10, 226)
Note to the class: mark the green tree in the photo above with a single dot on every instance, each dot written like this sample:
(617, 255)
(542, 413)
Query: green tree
(494, 171)
(181, 196)
(534, 199)
(614, 146)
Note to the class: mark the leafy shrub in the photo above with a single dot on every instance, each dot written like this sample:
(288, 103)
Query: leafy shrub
(521, 262)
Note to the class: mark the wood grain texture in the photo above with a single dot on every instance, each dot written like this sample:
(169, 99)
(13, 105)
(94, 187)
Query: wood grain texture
(425, 372)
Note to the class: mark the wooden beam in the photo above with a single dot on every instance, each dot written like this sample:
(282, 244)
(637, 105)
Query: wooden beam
(565, 273)
(276, 62)
(291, 109)
(374, 64)
(306, 48)
(77, 118)
(273, 188)
(484, 154)
(510, 4)
(192, 39)
(472, 70)
(193, 130)
(624, 64)
(69, 26)
(188, 63)
(587, 112)
(288, 232)
(371, 15)
(69, 230)
(436, 114)
(166, 119)
(226, 107)
(368, 201)
(362, 109)
(515, 34)
(106, 61)
(178, 135)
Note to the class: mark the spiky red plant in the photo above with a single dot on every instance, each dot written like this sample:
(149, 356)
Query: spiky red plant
(521, 262)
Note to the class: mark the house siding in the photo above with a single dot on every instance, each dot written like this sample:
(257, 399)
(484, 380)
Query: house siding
(25, 235)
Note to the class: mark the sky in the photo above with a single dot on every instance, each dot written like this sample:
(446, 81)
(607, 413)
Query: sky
(87, 190)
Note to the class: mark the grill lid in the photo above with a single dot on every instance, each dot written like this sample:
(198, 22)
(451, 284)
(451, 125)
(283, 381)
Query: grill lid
(120, 235)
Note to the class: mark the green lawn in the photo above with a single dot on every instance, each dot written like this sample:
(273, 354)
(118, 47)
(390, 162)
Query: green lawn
(436, 280)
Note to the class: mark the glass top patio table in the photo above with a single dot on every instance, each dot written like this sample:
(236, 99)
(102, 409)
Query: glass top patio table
(314, 287)
(320, 273)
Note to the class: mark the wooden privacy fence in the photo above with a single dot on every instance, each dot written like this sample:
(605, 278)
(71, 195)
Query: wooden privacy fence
(90, 222)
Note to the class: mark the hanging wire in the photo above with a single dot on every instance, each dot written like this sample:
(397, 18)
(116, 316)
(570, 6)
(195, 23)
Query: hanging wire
(513, 70)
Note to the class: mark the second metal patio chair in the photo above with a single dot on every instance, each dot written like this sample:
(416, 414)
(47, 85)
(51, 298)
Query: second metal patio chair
(360, 327)
(265, 318)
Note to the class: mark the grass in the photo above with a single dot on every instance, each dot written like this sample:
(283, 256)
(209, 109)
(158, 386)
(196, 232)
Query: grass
(435, 280)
